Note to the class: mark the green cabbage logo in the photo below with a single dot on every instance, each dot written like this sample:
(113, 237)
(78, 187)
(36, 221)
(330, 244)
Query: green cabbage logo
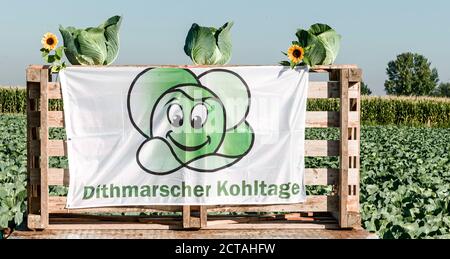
(189, 121)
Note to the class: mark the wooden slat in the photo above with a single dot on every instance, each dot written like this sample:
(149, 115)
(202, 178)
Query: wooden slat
(312, 204)
(324, 119)
(187, 221)
(344, 148)
(313, 177)
(277, 226)
(353, 203)
(317, 119)
(354, 119)
(316, 90)
(321, 90)
(355, 75)
(57, 205)
(57, 148)
(76, 232)
(295, 217)
(353, 177)
(322, 148)
(34, 74)
(54, 90)
(313, 148)
(203, 216)
(321, 177)
(177, 226)
(320, 119)
(43, 136)
(56, 119)
(197, 221)
(56, 176)
(114, 226)
(333, 67)
(324, 90)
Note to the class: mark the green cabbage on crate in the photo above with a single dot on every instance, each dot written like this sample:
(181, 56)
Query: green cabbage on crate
(319, 45)
(94, 45)
(208, 45)
(324, 43)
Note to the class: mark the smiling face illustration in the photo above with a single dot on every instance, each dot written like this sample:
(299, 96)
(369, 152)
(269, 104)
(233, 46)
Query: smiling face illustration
(194, 122)
(190, 121)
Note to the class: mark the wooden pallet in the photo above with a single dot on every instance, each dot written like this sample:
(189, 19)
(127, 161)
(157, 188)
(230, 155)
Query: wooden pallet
(339, 210)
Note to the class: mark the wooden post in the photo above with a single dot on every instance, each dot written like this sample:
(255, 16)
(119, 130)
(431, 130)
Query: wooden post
(33, 76)
(354, 218)
(43, 135)
(37, 134)
(344, 151)
(194, 217)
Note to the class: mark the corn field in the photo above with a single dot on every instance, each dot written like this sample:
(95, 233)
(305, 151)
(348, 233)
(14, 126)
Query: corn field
(407, 111)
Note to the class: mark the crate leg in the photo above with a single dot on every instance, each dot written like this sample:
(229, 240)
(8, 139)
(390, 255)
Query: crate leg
(37, 139)
(194, 217)
(348, 193)
(344, 150)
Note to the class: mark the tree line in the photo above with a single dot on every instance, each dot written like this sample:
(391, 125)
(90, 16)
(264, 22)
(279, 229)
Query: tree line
(410, 74)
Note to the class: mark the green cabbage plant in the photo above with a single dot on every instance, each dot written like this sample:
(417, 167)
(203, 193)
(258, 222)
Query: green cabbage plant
(94, 45)
(209, 46)
(322, 44)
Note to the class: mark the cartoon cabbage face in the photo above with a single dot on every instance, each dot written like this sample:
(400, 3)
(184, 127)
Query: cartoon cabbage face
(92, 46)
(196, 122)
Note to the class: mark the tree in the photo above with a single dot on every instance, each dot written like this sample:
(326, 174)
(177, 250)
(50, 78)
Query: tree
(411, 74)
(443, 90)
(365, 90)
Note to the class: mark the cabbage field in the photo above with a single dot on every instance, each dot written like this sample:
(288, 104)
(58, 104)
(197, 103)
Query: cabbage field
(405, 188)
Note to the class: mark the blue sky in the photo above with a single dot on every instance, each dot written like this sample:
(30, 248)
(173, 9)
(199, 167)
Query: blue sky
(153, 32)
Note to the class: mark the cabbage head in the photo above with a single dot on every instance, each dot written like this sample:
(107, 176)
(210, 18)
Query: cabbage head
(208, 45)
(322, 43)
(94, 45)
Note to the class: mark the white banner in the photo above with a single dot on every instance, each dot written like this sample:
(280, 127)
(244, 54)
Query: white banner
(177, 136)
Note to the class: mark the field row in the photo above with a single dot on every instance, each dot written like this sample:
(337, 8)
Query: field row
(406, 111)
(405, 181)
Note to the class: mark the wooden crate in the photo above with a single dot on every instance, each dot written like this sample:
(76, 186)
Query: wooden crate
(339, 210)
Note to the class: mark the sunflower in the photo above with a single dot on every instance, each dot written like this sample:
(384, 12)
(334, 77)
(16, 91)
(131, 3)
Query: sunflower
(49, 41)
(296, 54)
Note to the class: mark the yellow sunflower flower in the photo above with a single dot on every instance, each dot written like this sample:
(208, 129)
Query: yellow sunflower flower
(49, 41)
(296, 54)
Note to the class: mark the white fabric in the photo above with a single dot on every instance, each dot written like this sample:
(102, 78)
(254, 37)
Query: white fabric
(103, 144)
